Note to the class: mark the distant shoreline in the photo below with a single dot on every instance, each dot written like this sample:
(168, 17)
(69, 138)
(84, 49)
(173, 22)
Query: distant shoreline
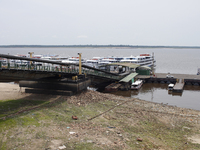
(94, 46)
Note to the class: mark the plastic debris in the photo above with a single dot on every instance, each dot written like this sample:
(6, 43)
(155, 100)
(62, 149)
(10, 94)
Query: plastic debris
(62, 147)
(89, 141)
(72, 132)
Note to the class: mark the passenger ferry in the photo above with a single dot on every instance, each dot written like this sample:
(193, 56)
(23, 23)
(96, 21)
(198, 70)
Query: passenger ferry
(142, 60)
(106, 61)
(94, 62)
(101, 61)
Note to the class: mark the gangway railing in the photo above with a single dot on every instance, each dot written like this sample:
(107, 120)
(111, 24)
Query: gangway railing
(18, 63)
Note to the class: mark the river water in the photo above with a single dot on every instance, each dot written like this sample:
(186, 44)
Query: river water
(180, 61)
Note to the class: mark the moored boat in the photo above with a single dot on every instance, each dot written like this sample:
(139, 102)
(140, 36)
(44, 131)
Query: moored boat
(170, 87)
(74, 60)
(142, 60)
(136, 85)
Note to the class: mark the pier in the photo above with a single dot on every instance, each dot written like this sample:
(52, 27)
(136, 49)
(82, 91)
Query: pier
(180, 80)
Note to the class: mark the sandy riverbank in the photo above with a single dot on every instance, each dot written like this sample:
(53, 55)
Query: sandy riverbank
(11, 91)
(105, 121)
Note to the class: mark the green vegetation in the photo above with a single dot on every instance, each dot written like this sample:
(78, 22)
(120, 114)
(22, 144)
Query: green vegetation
(48, 126)
(12, 106)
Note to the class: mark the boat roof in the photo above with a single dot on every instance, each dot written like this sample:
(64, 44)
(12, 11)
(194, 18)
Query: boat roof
(137, 82)
(129, 77)
(145, 67)
(171, 85)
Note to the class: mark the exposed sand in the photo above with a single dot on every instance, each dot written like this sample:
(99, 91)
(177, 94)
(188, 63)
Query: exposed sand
(11, 91)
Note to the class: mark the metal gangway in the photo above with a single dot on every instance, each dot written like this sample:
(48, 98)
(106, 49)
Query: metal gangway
(16, 66)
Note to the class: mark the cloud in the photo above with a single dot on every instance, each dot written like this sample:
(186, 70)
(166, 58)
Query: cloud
(82, 36)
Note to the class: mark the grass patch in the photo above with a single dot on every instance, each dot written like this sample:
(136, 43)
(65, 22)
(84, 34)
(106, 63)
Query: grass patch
(40, 135)
(6, 124)
(12, 106)
(155, 131)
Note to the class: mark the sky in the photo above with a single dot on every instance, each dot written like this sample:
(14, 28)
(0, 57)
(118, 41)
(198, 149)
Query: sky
(100, 22)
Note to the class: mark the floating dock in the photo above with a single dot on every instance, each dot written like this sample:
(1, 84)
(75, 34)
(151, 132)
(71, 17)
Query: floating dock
(179, 85)
(180, 80)
(189, 79)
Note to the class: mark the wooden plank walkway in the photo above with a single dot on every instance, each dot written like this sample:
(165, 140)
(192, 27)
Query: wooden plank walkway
(179, 85)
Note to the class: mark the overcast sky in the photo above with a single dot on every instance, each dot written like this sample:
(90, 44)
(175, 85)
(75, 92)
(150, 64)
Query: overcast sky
(129, 22)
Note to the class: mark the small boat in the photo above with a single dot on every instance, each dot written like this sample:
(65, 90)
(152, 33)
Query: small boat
(136, 85)
(170, 87)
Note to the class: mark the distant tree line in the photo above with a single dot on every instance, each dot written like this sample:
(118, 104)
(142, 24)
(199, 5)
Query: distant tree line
(95, 46)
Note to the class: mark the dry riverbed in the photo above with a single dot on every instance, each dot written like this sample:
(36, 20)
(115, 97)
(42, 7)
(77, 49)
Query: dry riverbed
(104, 121)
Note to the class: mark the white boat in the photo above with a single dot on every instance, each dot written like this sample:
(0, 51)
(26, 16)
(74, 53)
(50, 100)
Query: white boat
(101, 62)
(106, 61)
(73, 60)
(94, 62)
(3, 61)
(142, 60)
(136, 85)
(170, 87)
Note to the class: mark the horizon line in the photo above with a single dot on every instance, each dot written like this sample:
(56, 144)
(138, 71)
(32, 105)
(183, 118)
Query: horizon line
(91, 45)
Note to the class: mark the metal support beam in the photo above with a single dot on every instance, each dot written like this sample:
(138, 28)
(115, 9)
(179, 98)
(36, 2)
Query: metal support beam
(80, 72)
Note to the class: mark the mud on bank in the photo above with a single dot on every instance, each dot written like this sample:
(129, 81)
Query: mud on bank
(105, 121)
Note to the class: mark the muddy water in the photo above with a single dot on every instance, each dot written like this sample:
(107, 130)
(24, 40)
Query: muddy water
(189, 98)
